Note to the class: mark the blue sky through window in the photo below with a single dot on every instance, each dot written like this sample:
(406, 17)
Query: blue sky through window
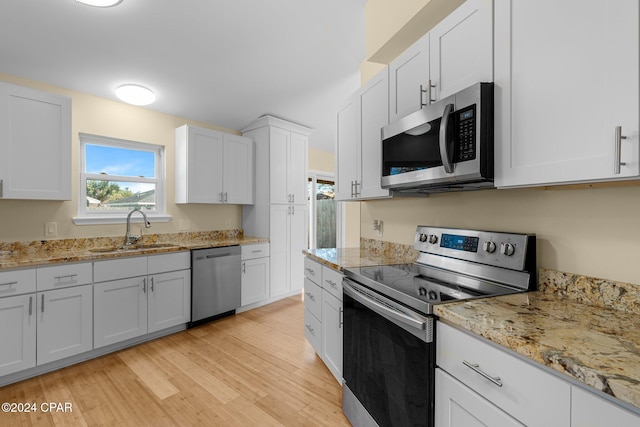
(119, 161)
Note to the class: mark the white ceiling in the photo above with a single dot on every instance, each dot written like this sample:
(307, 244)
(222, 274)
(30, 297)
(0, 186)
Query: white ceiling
(222, 62)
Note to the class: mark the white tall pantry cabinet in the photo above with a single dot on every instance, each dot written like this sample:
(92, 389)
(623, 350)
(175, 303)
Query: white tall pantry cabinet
(280, 210)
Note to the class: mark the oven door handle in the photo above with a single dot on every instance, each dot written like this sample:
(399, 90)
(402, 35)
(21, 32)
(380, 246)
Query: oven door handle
(444, 141)
(382, 309)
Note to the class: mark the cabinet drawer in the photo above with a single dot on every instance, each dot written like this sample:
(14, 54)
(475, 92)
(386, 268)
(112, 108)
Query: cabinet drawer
(528, 393)
(168, 262)
(259, 250)
(313, 271)
(63, 276)
(313, 331)
(313, 298)
(332, 281)
(17, 282)
(114, 269)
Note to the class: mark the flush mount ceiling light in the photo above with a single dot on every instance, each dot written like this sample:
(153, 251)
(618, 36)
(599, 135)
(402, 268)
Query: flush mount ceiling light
(135, 94)
(100, 3)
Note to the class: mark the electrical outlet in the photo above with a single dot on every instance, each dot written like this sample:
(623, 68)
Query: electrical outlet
(227, 223)
(51, 229)
(183, 225)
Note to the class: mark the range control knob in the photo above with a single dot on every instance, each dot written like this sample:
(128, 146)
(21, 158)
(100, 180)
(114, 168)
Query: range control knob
(422, 237)
(432, 238)
(507, 249)
(489, 247)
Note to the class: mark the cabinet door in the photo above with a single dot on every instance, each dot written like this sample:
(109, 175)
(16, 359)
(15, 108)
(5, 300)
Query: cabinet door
(458, 406)
(461, 52)
(374, 107)
(298, 242)
(297, 168)
(120, 310)
(590, 410)
(279, 157)
(238, 170)
(408, 74)
(255, 281)
(35, 144)
(561, 94)
(17, 333)
(332, 334)
(169, 300)
(279, 250)
(65, 323)
(348, 149)
(204, 166)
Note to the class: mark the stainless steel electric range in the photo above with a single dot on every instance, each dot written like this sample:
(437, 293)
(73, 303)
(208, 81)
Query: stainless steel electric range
(389, 343)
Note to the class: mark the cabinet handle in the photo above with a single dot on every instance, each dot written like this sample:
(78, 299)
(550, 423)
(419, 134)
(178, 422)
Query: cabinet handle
(244, 267)
(311, 271)
(68, 276)
(618, 150)
(1, 183)
(226, 197)
(355, 186)
(340, 318)
(152, 285)
(256, 251)
(293, 198)
(476, 368)
(42, 304)
(30, 306)
(332, 283)
(144, 285)
(293, 210)
(8, 284)
(431, 88)
(310, 329)
(310, 295)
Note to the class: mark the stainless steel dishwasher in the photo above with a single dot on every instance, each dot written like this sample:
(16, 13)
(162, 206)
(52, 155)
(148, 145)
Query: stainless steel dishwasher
(215, 283)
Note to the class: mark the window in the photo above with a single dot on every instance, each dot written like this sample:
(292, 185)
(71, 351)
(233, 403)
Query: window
(117, 176)
(322, 212)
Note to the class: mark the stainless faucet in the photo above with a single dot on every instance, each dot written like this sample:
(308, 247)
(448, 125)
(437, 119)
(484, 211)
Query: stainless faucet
(128, 238)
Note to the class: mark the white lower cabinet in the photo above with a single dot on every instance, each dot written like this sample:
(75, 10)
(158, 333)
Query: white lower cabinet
(288, 224)
(129, 307)
(65, 323)
(17, 333)
(479, 384)
(254, 284)
(459, 406)
(323, 314)
(590, 410)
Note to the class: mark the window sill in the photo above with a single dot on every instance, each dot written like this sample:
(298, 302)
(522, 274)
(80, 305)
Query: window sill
(110, 219)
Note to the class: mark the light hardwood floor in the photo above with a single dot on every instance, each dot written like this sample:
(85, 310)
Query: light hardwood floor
(252, 369)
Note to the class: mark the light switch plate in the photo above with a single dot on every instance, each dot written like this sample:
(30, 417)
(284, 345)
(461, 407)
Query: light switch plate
(51, 229)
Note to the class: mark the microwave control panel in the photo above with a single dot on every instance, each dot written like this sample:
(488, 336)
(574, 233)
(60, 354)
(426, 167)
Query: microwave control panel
(466, 146)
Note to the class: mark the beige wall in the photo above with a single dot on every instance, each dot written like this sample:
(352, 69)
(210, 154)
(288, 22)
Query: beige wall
(25, 220)
(593, 231)
(321, 161)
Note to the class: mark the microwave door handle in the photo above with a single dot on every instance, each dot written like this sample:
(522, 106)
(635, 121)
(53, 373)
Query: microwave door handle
(444, 152)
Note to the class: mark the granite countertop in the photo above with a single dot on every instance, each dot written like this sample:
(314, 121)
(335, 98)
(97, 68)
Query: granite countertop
(585, 328)
(370, 254)
(45, 252)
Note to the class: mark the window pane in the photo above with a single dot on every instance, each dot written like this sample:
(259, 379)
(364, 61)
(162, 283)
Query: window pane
(325, 214)
(107, 196)
(119, 161)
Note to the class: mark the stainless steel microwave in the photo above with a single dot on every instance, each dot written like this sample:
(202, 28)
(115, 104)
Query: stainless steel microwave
(446, 146)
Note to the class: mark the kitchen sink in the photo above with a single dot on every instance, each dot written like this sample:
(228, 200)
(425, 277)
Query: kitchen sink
(137, 247)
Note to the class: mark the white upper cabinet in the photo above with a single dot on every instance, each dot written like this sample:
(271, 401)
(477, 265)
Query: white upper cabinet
(566, 76)
(288, 172)
(455, 54)
(213, 167)
(359, 160)
(461, 49)
(409, 80)
(35, 144)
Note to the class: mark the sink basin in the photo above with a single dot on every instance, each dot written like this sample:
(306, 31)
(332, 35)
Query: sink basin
(139, 247)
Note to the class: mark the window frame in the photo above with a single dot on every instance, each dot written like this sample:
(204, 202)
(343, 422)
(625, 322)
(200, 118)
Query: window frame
(86, 217)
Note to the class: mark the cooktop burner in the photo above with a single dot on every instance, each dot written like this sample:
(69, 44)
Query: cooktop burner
(465, 264)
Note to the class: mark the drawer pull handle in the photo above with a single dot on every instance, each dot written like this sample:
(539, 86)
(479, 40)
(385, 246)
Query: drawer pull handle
(313, 332)
(311, 271)
(311, 297)
(8, 284)
(476, 368)
(68, 276)
(332, 283)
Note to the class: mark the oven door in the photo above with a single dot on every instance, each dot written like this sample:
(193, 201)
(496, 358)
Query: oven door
(388, 361)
